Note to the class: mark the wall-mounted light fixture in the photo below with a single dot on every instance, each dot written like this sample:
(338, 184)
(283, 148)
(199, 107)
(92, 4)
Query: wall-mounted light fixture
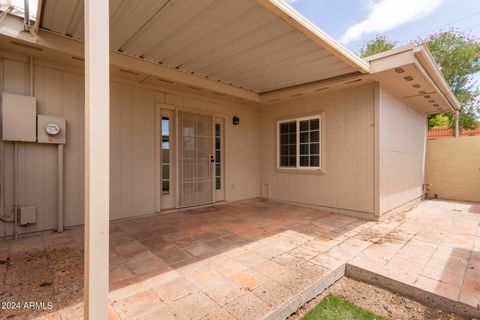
(236, 120)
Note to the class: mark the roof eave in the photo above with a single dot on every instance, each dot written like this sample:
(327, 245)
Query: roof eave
(424, 56)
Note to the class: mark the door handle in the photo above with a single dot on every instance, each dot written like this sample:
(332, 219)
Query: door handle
(212, 160)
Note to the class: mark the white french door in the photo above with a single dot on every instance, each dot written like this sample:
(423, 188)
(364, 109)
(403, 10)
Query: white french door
(195, 159)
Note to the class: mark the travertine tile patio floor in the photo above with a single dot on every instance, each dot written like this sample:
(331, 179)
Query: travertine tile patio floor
(243, 260)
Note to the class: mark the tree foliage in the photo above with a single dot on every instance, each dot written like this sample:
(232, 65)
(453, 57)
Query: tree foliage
(458, 56)
(377, 45)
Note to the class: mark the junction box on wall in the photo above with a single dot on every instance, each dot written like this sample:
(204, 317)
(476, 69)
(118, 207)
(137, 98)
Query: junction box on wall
(20, 123)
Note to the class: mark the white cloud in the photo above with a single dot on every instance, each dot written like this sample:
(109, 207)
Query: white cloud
(385, 15)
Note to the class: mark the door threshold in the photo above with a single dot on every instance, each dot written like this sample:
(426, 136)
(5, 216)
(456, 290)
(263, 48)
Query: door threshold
(193, 207)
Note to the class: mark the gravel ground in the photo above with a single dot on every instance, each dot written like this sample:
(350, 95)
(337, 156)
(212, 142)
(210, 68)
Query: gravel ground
(379, 301)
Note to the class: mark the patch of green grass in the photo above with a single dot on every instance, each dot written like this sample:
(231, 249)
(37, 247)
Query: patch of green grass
(333, 307)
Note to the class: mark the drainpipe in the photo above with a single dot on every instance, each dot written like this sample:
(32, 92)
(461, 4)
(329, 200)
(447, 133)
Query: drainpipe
(26, 16)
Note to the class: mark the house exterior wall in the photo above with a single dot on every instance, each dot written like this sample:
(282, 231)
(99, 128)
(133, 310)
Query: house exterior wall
(348, 181)
(368, 169)
(60, 92)
(401, 152)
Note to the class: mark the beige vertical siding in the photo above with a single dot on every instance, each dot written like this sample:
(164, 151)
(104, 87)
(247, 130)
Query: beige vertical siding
(402, 141)
(453, 168)
(61, 93)
(348, 182)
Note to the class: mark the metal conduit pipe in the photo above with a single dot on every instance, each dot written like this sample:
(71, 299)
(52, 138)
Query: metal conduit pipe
(60, 188)
(16, 202)
(26, 15)
(15, 206)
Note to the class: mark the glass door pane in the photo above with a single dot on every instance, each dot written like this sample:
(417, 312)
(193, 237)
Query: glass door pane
(195, 155)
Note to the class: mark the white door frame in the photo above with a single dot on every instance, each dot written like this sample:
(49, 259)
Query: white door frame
(174, 181)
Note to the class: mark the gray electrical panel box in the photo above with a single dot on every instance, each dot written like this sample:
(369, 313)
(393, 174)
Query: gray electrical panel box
(19, 118)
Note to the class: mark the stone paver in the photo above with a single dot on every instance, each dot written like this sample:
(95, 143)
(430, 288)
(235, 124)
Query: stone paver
(439, 251)
(245, 260)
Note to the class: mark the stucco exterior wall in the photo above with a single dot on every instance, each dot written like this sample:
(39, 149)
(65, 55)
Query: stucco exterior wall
(60, 92)
(348, 182)
(453, 168)
(401, 152)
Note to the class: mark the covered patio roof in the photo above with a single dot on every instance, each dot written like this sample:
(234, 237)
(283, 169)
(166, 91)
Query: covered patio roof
(259, 45)
(256, 52)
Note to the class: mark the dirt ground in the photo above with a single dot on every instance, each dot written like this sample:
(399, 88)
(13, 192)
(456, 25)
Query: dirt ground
(379, 301)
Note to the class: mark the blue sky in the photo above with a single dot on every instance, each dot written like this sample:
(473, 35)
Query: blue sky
(352, 22)
(405, 22)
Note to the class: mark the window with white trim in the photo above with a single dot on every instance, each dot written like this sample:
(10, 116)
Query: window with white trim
(299, 143)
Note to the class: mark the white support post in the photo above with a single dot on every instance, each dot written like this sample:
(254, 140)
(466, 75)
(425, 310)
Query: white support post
(97, 159)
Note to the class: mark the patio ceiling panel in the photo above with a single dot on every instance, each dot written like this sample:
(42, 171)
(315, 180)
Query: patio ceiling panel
(64, 16)
(126, 17)
(237, 42)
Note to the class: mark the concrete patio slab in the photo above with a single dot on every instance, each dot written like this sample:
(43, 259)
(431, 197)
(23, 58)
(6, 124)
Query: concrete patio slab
(249, 260)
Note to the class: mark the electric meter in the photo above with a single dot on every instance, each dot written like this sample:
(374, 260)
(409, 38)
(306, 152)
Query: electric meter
(52, 129)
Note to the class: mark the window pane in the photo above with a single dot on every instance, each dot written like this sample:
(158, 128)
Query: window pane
(314, 148)
(303, 137)
(292, 138)
(292, 150)
(292, 162)
(314, 136)
(218, 156)
(165, 155)
(304, 125)
(304, 149)
(314, 124)
(314, 161)
(288, 144)
(304, 161)
(165, 126)
(165, 186)
(166, 172)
